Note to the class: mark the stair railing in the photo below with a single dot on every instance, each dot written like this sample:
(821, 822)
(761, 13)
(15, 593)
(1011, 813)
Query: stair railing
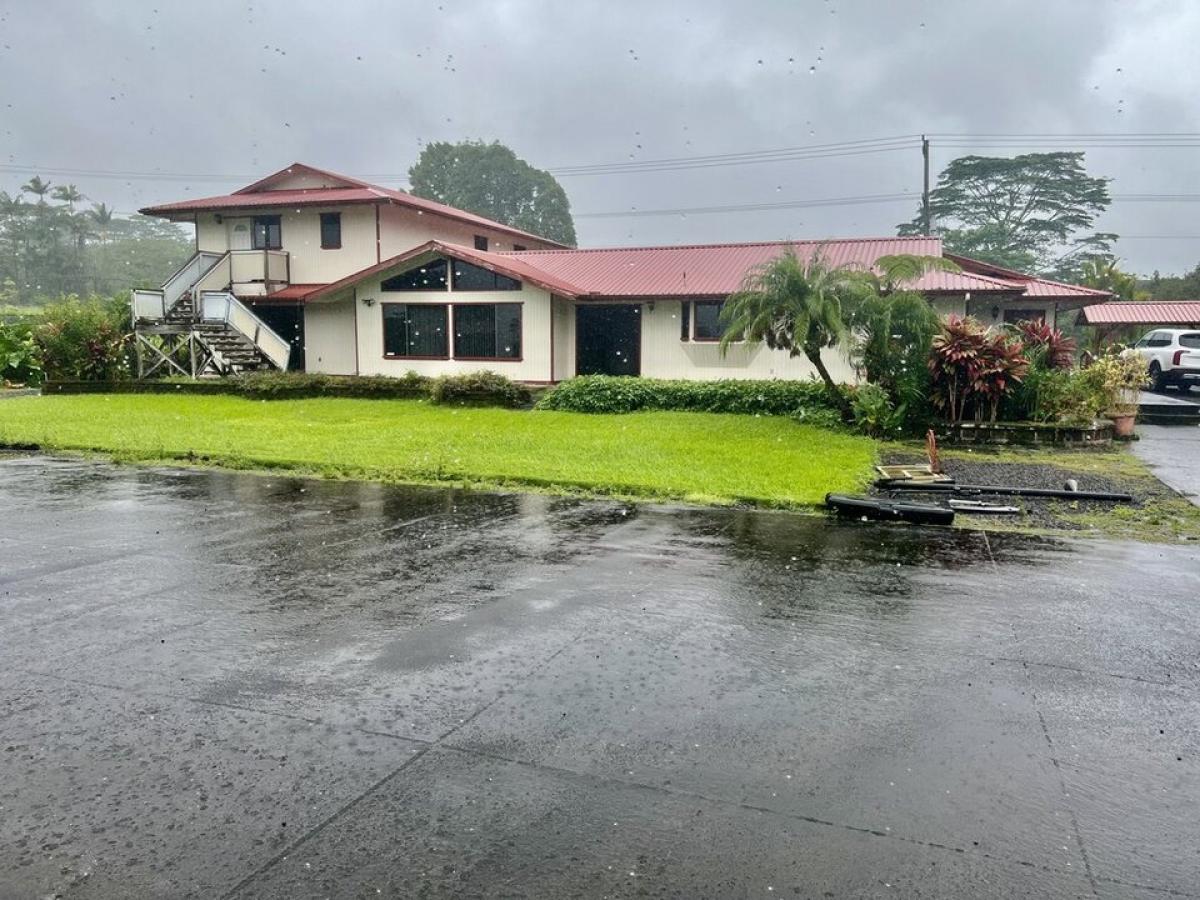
(222, 306)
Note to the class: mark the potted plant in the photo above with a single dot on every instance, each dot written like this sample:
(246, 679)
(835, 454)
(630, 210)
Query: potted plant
(1118, 379)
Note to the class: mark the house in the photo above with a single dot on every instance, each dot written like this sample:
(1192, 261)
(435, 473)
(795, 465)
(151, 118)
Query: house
(309, 269)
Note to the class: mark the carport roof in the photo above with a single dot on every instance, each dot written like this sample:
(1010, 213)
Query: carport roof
(1177, 312)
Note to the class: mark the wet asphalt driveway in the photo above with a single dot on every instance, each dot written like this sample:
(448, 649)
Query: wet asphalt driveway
(218, 685)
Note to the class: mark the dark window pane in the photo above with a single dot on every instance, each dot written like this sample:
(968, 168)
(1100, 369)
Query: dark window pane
(685, 320)
(266, 234)
(1191, 341)
(331, 231)
(481, 242)
(411, 329)
(708, 321)
(429, 277)
(1013, 316)
(475, 278)
(487, 330)
(519, 247)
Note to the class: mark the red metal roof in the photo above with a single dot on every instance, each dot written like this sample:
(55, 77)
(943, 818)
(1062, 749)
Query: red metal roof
(1032, 286)
(963, 282)
(1176, 312)
(260, 196)
(709, 270)
(294, 292)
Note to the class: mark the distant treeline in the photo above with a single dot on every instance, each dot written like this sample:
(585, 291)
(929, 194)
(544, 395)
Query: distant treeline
(53, 241)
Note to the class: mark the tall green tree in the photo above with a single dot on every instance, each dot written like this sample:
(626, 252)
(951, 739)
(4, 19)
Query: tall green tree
(489, 179)
(37, 187)
(69, 194)
(1105, 275)
(1035, 212)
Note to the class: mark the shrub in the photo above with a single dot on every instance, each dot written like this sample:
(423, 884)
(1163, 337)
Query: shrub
(1057, 395)
(20, 356)
(82, 341)
(1118, 378)
(874, 412)
(295, 385)
(479, 389)
(623, 394)
(973, 369)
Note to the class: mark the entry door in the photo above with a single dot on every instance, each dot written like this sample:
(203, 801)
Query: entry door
(239, 234)
(608, 339)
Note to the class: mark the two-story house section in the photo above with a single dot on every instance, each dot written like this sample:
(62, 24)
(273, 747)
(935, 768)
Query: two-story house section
(301, 228)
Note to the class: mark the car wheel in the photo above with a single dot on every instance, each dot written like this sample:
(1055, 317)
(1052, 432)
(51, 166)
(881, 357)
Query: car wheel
(1158, 381)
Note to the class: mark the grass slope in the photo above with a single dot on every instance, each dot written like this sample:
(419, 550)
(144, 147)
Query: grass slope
(697, 457)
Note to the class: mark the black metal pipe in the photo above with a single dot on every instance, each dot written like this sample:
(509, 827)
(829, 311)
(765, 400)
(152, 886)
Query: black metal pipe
(1000, 489)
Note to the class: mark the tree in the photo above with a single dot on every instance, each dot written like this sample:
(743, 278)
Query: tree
(1174, 287)
(102, 216)
(37, 187)
(69, 194)
(798, 306)
(1103, 275)
(489, 179)
(1035, 212)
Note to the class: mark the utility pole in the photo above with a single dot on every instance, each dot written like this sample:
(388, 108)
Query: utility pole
(925, 217)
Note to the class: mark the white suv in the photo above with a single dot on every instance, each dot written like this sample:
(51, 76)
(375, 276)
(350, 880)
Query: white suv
(1172, 356)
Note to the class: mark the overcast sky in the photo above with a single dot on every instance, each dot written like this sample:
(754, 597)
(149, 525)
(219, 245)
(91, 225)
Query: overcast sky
(216, 94)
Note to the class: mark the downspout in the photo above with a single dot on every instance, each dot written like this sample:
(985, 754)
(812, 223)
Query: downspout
(354, 302)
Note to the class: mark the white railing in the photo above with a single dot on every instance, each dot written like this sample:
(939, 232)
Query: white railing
(222, 306)
(191, 272)
(149, 305)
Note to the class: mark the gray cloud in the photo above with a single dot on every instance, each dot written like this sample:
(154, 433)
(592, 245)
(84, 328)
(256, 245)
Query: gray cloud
(238, 89)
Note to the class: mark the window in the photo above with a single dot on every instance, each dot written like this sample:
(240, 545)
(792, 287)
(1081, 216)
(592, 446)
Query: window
(429, 277)
(475, 278)
(685, 320)
(1159, 339)
(708, 320)
(416, 330)
(266, 234)
(1191, 341)
(487, 331)
(481, 242)
(519, 247)
(331, 231)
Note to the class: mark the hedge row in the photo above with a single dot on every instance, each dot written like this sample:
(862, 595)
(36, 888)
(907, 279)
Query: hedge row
(479, 388)
(622, 394)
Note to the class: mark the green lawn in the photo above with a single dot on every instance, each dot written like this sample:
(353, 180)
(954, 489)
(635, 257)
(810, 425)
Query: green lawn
(697, 457)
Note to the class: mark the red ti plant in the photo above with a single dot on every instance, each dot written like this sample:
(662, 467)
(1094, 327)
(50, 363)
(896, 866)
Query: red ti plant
(1057, 351)
(973, 369)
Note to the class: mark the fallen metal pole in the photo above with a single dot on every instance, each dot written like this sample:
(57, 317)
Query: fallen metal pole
(934, 487)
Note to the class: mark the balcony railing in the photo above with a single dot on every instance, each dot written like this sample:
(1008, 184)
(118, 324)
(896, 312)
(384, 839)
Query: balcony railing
(222, 306)
(258, 272)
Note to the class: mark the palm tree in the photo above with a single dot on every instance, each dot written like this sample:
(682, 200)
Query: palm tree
(1103, 275)
(37, 187)
(805, 307)
(798, 306)
(103, 217)
(68, 193)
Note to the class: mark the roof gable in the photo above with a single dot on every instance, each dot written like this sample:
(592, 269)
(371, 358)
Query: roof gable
(300, 177)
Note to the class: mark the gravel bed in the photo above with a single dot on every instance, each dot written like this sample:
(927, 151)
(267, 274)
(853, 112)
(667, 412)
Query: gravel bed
(1036, 512)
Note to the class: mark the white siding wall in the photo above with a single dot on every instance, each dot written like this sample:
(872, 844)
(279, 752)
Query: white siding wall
(564, 338)
(664, 355)
(402, 229)
(329, 337)
(535, 333)
(301, 234)
(210, 234)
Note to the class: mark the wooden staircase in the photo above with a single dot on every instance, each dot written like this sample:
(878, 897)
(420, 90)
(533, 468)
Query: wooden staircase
(231, 351)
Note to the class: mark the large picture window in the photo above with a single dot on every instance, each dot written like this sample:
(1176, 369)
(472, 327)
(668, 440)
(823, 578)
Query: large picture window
(476, 278)
(267, 234)
(487, 331)
(707, 316)
(415, 330)
(429, 277)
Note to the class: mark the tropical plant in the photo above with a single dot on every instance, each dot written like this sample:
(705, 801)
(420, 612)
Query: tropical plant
(874, 412)
(973, 368)
(20, 357)
(69, 194)
(1119, 377)
(37, 187)
(1104, 275)
(1046, 345)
